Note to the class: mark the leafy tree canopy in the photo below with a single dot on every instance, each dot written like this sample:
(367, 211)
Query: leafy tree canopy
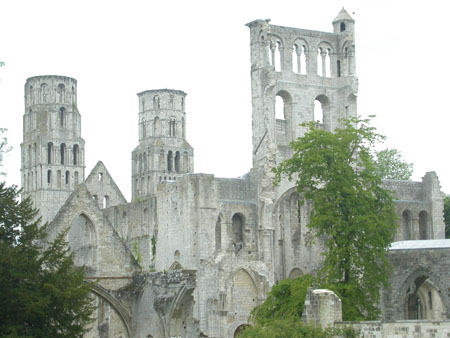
(42, 292)
(3, 148)
(390, 164)
(352, 212)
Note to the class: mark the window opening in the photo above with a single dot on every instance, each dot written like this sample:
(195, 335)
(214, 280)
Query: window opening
(342, 27)
(318, 111)
(169, 161)
(58, 179)
(63, 151)
(67, 177)
(177, 162)
(75, 154)
(49, 177)
(279, 108)
(49, 152)
(319, 62)
(328, 63)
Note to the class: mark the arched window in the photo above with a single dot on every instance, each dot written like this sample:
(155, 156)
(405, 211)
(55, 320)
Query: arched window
(177, 162)
(320, 67)
(295, 59)
(172, 124)
(58, 179)
(61, 93)
(49, 177)
(342, 26)
(63, 152)
(321, 113)
(156, 103)
(169, 161)
(67, 178)
(237, 229)
(279, 108)
(44, 93)
(145, 216)
(75, 178)
(318, 111)
(218, 234)
(31, 95)
(328, 63)
(423, 225)
(275, 61)
(105, 203)
(62, 117)
(49, 152)
(76, 152)
(406, 225)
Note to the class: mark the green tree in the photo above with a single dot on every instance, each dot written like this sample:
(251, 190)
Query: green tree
(447, 216)
(284, 301)
(352, 212)
(3, 148)
(42, 292)
(390, 164)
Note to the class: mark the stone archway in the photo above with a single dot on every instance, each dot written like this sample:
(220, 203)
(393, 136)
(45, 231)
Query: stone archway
(422, 297)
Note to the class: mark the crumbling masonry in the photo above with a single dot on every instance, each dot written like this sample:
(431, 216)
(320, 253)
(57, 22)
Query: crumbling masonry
(218, 244)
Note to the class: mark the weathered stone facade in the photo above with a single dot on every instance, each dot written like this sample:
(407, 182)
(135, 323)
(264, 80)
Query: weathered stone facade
(223, 242)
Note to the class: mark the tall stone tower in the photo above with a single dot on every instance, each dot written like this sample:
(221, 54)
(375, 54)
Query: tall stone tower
(310, 74)
(163, 152)
(52, 148)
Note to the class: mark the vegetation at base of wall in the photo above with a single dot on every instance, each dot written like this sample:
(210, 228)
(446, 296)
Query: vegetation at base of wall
(447, 216)
(137, 252)
(289, 328)
(284, 301)
(352, 213)
(389, 164)
(42, 293)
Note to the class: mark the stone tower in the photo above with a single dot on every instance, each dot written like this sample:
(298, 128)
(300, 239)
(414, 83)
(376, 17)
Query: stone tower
(52, 148)
(163, 152)
(310, 74)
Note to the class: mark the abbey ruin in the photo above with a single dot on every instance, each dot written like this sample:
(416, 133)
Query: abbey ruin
(192, 254)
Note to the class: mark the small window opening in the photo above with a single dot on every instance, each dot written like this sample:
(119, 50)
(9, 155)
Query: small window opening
(75, 154)
(62, 117)
(58, 178)
(319, 62)
(296, 59)
(100, 177)
(75, 177)
(67, 177)
(169, 161)
(49, 152)
(105, 201)
(177, 162)
(342, 27)
(63, 152)
(338, 68)
(328, 63)
(302, 69)
(318, 112)
(49, 176)
(279, 108)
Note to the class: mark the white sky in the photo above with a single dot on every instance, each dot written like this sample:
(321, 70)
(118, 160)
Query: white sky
(116, 49)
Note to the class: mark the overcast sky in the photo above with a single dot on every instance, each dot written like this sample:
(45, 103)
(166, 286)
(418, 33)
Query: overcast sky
(116, 49)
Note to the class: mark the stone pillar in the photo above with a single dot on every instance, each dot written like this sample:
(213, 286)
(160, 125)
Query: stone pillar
(322, 308)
